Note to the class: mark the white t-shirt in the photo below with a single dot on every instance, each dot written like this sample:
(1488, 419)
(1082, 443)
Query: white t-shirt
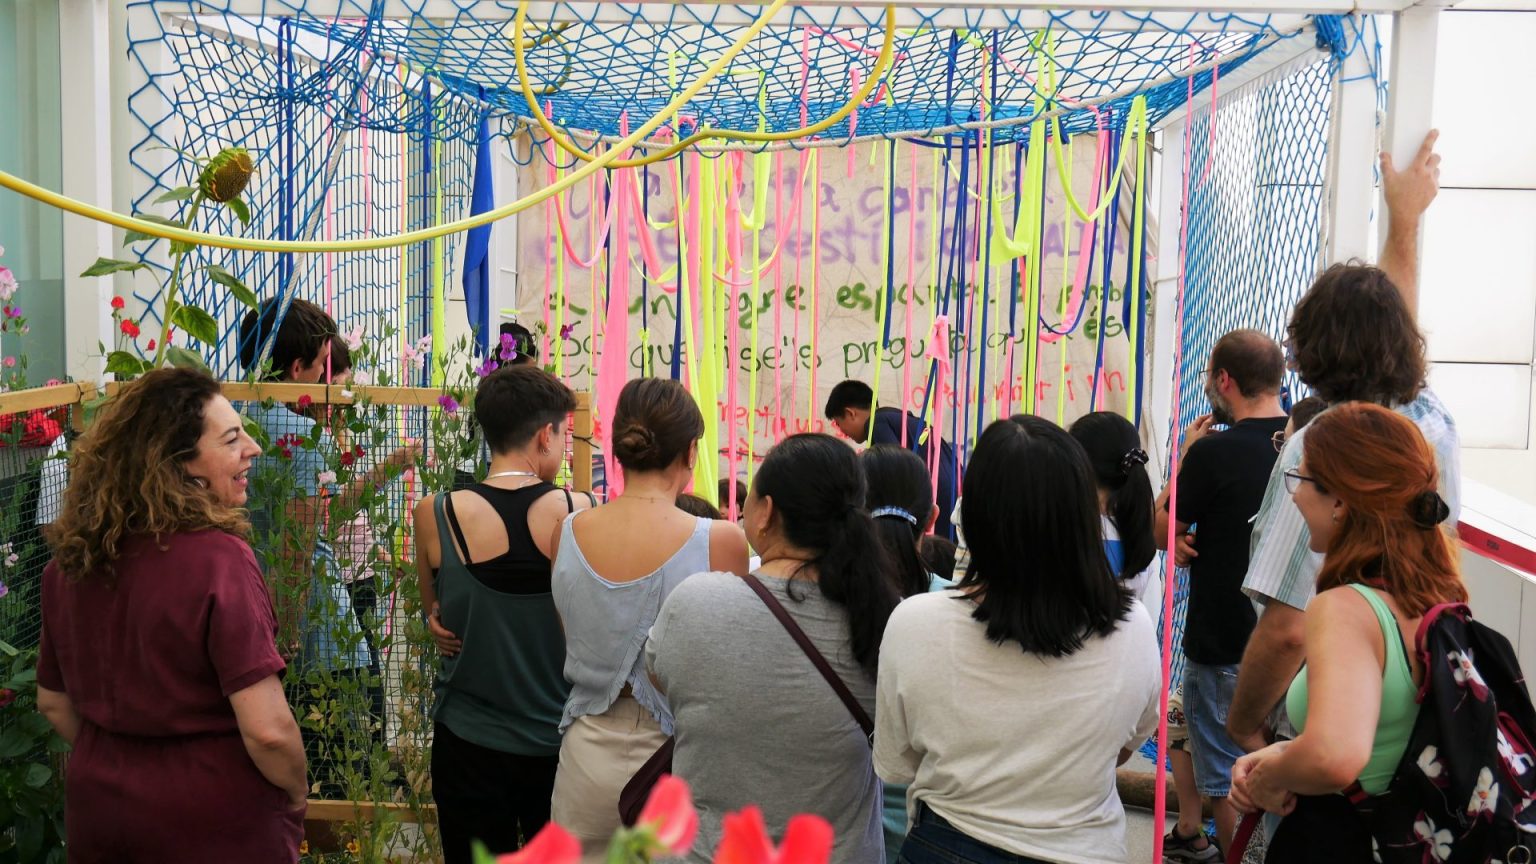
(1013, 749)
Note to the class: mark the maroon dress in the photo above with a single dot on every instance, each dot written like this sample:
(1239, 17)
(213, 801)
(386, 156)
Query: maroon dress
(159, 772)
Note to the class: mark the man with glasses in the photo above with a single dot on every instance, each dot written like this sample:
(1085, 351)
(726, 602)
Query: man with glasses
(1354, 338)
(1222, 476)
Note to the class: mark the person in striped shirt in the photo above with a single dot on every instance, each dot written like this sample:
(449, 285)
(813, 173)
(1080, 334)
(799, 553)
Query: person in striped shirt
(1352, 337)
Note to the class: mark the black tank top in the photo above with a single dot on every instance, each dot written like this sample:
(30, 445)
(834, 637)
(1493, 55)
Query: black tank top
(522, 569)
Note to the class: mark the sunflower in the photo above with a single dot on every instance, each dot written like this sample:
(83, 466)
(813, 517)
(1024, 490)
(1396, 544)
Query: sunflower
(227, 174)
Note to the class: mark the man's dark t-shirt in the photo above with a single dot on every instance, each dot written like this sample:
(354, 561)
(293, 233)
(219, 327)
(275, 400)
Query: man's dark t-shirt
(1221, 485)
(887, 430)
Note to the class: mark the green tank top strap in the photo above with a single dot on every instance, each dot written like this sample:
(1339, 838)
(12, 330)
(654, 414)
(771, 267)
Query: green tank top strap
(1391, 634)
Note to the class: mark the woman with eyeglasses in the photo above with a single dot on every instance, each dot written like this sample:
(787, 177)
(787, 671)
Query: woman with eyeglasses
(1366, 486)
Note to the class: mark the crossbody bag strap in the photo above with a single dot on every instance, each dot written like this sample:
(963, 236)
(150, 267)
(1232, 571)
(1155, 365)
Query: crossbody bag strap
(860, 716)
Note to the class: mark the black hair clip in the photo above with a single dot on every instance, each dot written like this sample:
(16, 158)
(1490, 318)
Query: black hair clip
(1133, 458)
(1428, 510)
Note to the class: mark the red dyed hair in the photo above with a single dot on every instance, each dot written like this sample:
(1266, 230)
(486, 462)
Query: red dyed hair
(1377, 462)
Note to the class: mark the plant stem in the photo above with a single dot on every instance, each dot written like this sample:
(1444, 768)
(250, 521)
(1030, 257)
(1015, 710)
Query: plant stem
(170, 291)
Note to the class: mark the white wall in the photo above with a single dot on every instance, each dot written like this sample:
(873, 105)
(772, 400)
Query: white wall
(1478, 296)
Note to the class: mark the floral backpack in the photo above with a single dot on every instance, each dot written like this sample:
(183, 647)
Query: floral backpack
(1462, 792)
(1464, 789)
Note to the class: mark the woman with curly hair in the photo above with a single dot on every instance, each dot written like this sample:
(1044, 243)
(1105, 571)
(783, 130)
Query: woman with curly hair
(158, 659)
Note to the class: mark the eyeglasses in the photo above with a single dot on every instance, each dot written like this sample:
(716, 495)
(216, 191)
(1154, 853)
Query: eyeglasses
(1278, 439)
(1294, 479)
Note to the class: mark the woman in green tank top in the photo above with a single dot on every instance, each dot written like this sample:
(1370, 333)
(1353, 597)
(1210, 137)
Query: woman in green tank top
(1366, 487)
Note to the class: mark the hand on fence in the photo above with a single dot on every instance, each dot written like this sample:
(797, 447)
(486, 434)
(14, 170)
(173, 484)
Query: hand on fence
(406, 456)
(1409, 192)
(447, 643)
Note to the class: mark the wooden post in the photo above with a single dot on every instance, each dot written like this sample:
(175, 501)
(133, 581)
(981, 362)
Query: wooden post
(581, 445)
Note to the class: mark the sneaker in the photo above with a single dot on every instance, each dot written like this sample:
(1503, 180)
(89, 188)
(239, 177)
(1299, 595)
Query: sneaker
(1184, 849)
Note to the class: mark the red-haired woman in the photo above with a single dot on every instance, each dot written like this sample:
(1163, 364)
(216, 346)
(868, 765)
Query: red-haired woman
(1366, 486)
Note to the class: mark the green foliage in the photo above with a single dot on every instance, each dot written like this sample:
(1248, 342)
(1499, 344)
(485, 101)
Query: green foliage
(31, 800)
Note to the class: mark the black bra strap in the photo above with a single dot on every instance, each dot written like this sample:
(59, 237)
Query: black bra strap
(570, 506)
(458, 533)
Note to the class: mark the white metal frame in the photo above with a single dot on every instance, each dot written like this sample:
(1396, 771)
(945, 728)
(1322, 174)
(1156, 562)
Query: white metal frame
(97, 82)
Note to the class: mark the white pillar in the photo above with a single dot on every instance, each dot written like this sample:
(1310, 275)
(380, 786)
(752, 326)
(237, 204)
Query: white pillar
(1411, 86)
(1352, 156)
(85, 88)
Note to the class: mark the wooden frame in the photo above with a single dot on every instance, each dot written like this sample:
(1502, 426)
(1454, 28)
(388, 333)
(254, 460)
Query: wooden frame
(80, 392)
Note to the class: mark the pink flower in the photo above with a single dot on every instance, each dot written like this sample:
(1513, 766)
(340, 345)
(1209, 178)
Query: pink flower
(669, 813)
(744, 840)
(354, 338)
(487, 367)
(325, 478)
(10, 362)
(567, 330)
(450, 405)
(7, 284)
(552, 845)
(508, 350)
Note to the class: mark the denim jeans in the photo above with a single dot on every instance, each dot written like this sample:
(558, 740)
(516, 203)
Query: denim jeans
(934, 841)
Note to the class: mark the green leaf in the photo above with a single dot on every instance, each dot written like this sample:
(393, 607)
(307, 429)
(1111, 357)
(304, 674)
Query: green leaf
(241, 211)
(14, 742)
(105, 266)
(182, 358)
(199, 324)
(235, 286)
(180, 193)
(133, 236)
(58, 745)
(124, 363)
(38, 775)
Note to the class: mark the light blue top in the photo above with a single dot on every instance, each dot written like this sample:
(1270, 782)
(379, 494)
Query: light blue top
(606, 624)
(333, 639)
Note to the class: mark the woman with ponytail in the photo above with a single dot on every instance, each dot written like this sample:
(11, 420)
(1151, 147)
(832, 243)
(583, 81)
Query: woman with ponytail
(1125, 498)
(756, 721)
(1366, 486)
(900, 500)
(1007, 702)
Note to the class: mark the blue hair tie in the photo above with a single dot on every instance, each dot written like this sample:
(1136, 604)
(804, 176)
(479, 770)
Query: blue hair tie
(898, 512)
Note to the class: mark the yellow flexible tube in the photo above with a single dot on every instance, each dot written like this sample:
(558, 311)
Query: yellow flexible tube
(364, 244)
(887, 49)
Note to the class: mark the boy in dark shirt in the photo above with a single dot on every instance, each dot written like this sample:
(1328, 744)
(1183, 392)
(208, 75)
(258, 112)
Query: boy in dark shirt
(848, 407)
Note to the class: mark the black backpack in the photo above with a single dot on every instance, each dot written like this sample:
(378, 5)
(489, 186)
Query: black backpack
(1463, 791)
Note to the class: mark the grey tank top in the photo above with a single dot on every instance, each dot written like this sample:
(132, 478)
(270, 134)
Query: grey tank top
(606, 624)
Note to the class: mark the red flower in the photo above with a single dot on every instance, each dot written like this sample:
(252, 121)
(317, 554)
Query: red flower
(7, 696)
(347, 459)
(807, 840)
(552, 845)
(117, 302)
(359, 452)
(130, 329)
(151, 345)
(669, 813)
(305, 402)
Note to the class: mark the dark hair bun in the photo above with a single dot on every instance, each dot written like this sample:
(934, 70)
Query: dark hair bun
(635, 444)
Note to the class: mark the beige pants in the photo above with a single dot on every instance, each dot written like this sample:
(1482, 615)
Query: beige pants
(597, 757)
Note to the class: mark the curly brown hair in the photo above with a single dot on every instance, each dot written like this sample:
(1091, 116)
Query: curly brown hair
(128, 475)
(1356, 340)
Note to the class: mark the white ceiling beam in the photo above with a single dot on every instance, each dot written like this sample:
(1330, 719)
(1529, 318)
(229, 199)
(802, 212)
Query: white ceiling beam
(1202, 16)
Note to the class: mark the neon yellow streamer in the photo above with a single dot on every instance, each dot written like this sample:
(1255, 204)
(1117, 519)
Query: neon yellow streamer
(1138, 228)
(364, 244)
(882, 62)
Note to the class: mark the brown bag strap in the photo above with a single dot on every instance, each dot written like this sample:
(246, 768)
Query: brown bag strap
(859, 715)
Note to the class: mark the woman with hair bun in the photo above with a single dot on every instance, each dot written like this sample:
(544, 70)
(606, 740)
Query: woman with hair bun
(615, 566)
(1366, 486)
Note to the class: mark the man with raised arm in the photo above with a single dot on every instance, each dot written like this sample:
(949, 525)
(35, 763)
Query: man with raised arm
(1353, 337)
